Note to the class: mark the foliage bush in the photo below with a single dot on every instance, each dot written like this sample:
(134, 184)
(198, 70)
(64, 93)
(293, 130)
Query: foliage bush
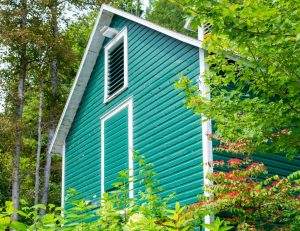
(239, 194)
(146, 212)
(250, 200)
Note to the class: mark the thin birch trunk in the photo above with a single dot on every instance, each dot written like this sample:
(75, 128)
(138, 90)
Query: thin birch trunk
(38, 153)
(53, 74)
(19, 129)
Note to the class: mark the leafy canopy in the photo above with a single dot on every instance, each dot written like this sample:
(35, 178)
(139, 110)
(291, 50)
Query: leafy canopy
(168, 14)
(255, 98)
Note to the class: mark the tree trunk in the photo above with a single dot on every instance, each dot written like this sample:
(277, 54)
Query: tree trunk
(54, 75)
(22, 77)
(38, 153)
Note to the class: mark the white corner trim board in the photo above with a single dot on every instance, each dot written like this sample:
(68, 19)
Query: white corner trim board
(126, 104)
(206, 123)
(63, 172)
(122, 35)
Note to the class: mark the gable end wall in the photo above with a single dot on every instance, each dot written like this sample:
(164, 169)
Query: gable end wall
(165, 132)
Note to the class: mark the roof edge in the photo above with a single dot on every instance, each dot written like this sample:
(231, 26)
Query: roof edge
(144, 22)
(90, 49)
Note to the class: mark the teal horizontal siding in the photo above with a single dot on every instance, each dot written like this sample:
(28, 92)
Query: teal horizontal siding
(115, 147)
(166, 133)
(275, 164)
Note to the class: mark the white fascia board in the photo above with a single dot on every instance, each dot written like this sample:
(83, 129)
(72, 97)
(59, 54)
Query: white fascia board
(80, 82)
(173, 34)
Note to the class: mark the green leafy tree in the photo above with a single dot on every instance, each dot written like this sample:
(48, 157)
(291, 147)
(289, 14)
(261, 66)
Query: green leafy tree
(254, 75)
(168, 14)
(131, 6)
(5, 177)
(26, 55)
(16, 38)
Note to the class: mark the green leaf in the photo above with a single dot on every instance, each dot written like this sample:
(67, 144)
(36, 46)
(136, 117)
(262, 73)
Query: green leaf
(39, 206)
(9, 207)
(210, 227)
(224, 228)
(186, 228)
(18, 226)
(170, 224)
(22, 213)
(5, 220)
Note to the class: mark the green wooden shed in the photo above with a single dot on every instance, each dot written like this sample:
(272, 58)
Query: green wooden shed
(123, 99)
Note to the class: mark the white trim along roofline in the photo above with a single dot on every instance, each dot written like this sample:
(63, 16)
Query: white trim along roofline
(163, 30)
(87, 64)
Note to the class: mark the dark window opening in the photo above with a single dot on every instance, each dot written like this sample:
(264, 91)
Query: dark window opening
(116, 69)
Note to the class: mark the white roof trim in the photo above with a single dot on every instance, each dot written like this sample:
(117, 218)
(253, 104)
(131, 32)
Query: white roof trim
(173, 34)
(87, 64)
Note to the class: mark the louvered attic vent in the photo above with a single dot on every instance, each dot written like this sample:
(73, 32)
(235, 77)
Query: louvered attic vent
(116, 69)
(207, 28)
(116, 66)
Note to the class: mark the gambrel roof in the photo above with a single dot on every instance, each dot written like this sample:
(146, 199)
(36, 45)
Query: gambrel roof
(87, 64)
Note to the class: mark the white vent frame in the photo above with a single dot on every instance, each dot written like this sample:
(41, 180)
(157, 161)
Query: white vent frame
(122, 35)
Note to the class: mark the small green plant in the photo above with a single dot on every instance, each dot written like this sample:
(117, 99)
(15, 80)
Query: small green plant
(179, 219)
(218, 225)
(147, 211)
(6, 222)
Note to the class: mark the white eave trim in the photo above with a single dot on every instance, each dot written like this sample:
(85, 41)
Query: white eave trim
(80, 82)
(173, 34)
